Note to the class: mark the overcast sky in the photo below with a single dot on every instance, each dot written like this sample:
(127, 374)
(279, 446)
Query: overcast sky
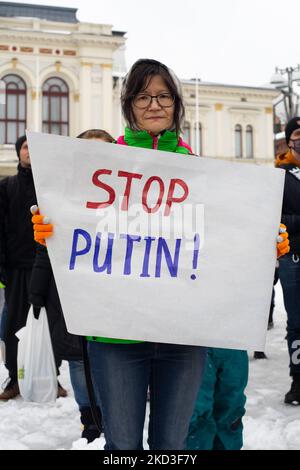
(225, 41)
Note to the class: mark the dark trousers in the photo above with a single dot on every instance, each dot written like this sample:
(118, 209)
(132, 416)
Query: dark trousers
(16, 296)
(272, 306)
(289, 275)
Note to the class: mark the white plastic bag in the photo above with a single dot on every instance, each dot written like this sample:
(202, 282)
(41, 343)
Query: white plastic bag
(36, 365)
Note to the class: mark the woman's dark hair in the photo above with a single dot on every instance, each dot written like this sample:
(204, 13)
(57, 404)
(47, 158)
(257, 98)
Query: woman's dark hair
(96, 134)
(137, 80)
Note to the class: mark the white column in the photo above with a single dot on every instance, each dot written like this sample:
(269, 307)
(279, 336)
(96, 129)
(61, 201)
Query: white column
(74, 116)
(120, 120)
(85, 96)
(192, 142)
(269, 134)
(219, 130)
(197, 120)
(244, 139)
(34, 109)
(38, 96)
(107, 98)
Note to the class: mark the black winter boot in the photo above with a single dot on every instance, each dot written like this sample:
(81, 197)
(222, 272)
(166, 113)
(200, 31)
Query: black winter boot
(293, 396)
(90, 430)
(11, 390)
(259, 355)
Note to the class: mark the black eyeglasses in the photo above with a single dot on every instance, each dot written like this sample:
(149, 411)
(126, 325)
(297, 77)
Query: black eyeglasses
(143, 101)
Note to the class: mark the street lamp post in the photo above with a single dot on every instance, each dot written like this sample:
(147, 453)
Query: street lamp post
(284, 80)
(290, 97)
(197, 119)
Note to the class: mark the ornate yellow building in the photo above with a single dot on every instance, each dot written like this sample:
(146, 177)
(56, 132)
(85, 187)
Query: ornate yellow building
(58, 74)
(63, 76)
(234, 122)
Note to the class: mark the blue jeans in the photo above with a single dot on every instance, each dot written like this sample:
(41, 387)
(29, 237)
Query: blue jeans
(78, 382)
(122, 373)
(289, 274)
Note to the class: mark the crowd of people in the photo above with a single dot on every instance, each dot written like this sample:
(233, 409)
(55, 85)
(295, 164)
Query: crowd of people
(197, 394)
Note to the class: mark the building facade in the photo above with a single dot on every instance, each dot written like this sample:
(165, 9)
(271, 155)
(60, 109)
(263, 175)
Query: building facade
(234, 122)
(58, 74)
(62, 76)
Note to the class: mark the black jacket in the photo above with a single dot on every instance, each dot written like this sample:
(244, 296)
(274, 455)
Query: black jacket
(291, 205)
(17, 195)
(43, 292)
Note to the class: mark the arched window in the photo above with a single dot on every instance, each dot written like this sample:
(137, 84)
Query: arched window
(13, 113)
(55, 106)
(249, 142)
(187, 133)
(198, 139)
(238, 141)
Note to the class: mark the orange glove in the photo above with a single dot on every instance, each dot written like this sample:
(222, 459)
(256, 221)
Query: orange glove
(283, 243)
(41, 227)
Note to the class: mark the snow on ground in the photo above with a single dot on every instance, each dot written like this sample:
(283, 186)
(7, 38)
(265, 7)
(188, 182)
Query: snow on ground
(269, 423)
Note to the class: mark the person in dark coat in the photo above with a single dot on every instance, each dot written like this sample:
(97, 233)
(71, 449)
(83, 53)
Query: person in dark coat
(17, 253)
(289, 265)
(43, 293)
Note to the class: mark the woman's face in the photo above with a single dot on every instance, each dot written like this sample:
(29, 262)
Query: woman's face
(24, 155)
(154, 118)
(294, 144)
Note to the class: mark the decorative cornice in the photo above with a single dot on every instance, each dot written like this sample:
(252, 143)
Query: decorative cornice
(257, 161)
(74, 40)
(237, 91)
(244, 110)
(45, 50)
(26, 49)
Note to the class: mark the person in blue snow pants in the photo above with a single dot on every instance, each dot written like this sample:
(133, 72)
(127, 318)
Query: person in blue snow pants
(216, 423)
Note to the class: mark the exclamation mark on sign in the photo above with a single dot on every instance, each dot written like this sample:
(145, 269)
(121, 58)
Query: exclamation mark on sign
(196, 254)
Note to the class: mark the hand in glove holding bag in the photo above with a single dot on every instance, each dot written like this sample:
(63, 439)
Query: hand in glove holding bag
(36, 312)
(36, 300)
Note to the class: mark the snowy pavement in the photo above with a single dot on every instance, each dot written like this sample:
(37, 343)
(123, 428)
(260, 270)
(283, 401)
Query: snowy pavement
(269, 423)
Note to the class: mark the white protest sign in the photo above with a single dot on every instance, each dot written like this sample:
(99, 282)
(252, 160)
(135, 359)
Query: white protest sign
(158, 246)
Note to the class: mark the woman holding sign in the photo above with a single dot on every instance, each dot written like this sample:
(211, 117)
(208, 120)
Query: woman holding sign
(153, 109)
(123, 370)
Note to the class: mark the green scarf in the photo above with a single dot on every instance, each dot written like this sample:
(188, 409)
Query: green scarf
(167, 142)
